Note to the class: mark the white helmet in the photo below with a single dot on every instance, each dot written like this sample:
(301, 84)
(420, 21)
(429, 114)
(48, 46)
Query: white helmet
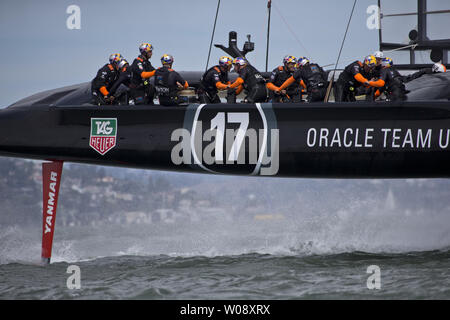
(115, 58)
(302, 61)
(167, 59)
(438, 67)
(240, 61)
(378, 54)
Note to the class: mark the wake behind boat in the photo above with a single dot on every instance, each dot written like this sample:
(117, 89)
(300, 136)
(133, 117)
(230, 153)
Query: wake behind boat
(339, 140)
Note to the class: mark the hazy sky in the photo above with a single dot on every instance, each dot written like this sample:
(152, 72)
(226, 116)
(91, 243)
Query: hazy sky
(40, 52)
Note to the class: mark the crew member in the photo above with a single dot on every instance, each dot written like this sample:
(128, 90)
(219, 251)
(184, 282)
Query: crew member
(391, 82)
(379, 56)
(104, 80)
(214, 79)
(124, 79)
(141, 90)
(279, 75)
(313, 77)
(249, 80)
(436, 68)
(354, 76)
(168, 82)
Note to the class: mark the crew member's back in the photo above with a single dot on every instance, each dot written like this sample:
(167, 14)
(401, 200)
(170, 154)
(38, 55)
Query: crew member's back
(250, 80)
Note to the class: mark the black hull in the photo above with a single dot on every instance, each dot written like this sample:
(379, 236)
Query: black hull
(367, 140)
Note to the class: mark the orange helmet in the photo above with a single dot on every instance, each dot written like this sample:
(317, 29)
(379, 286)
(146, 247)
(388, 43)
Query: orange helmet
(370, 61)
(115, 58)
(240, 61)
(225, 61)
(166, 59)
(438, 67)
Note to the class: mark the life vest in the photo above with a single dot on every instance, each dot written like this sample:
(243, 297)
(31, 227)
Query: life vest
(106, 76)
(280, 75)
(206, 82)
(138, 66)
(315, 77)
(252, 78)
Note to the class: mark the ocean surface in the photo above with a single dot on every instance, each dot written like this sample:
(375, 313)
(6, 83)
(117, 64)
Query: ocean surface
(322, 257)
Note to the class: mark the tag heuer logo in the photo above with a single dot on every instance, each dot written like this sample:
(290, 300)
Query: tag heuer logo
(103, 134)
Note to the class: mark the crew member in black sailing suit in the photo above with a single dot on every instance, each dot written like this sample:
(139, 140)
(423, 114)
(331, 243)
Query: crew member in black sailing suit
(249, 80)
(214, 79)
(279, 75)
(375, 74)
(104, 80)
(391, 82)
(436, 68)
(141, 90)
(313, 77)
(124, 79)
(168, 82)
(354, 76)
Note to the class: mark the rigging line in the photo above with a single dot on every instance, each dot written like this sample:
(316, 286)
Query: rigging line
(413, 46)
(269, 8)
(212, 35)
(290, 30)
(421, 56)
(339, 56)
